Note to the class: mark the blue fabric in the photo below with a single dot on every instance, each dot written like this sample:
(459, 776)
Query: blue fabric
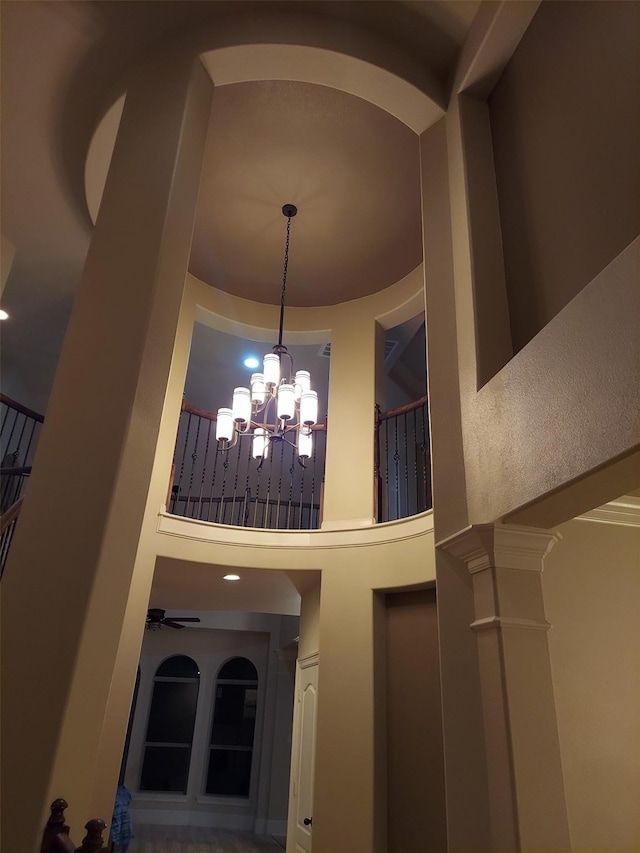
(121, 826)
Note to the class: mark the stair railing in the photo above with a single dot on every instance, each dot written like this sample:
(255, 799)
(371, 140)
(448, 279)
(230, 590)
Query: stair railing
(19, 433)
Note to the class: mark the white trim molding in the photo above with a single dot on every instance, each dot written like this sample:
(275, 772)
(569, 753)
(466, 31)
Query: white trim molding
(625, 511)
(488, 622)
(486, 546)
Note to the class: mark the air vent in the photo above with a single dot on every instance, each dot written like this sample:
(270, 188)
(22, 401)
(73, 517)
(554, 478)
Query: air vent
(389, 348)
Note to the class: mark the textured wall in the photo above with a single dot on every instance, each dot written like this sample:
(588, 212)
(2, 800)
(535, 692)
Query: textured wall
(565, 120)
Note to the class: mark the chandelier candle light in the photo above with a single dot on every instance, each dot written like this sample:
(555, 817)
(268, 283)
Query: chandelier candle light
(276, 394)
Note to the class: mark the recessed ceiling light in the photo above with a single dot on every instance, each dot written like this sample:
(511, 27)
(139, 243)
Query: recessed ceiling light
(231, 578)
(3, 314)
(251, 362)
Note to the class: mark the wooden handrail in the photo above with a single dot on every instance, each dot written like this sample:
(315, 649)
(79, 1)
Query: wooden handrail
(401, 410)
(12, 404)
(10, 515)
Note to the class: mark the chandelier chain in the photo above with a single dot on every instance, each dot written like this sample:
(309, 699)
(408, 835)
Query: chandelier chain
(284, 280)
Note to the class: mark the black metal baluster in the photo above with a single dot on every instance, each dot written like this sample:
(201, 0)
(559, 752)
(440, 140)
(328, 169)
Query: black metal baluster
(178, 485)
(314, 463)
(406, 465)
(277, 525)
(235, 481)
(4, 417)
(219, 454)
(194, 459)
(427, 454)
(13, 427)
(290, 499)
(19, 442)
(247, 491)
(204, 469)
(302, 473)
(396, 468)
(419, 507)
(387, 471)
(266, 507)
(258, 498)
(221, 505)
(34, 424)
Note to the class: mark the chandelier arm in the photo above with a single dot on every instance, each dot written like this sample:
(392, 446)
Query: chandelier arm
(286, 441)
(233, 443)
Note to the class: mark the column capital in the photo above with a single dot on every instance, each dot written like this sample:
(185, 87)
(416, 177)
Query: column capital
(487, 546)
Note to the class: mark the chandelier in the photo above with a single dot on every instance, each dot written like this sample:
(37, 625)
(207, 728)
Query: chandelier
(279, 406)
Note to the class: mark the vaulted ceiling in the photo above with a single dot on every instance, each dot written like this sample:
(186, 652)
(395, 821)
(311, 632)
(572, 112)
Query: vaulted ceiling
(351, 168)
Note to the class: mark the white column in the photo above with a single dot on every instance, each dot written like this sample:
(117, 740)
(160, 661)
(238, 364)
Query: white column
(77, 582)
(349, 468)
(525, 783)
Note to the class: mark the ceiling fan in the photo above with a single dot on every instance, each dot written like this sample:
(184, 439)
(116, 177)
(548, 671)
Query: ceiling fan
(156, 619)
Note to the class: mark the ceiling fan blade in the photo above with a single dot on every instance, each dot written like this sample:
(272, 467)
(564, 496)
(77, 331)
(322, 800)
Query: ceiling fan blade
(184, 618)
(172, 624)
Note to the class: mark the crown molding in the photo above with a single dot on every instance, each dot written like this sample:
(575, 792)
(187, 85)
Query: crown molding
(485, 546)
(625, 512)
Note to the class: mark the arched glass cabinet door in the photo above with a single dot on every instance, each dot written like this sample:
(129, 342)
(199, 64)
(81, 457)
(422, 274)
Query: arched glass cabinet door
(167, 749)
(233, 729)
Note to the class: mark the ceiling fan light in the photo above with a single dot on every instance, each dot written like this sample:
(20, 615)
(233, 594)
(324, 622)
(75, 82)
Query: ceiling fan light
(309, 408)
(258, 389)
(225, 426)
(241, 405)
(271, 364)
(286, 402)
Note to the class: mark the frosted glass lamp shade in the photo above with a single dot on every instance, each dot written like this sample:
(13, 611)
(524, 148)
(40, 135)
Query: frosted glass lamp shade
(258, 390)
(309, 408)
(302, 383)
(305, 444)
(241, 405)
(260, 444)
(271, 369)
(286, 402)
(224, 425)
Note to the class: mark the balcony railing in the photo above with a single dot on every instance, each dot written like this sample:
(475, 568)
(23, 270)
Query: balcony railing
(228, 487)
(403, 461)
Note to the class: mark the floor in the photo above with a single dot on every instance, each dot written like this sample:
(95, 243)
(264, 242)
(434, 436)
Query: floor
(196, 839)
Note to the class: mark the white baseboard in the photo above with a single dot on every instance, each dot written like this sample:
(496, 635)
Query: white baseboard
(277, 827)
(262, 826)
(174, 817)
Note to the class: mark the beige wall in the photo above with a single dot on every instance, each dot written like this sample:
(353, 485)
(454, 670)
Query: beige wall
(565, 120)
(7, 254)
(415, 757)
(591, 587)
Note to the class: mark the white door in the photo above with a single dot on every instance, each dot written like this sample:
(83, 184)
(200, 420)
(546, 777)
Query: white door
(300, 826)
